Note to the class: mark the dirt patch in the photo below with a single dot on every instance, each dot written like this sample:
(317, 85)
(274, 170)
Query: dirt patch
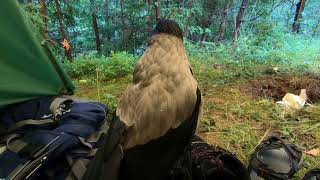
(275, 87)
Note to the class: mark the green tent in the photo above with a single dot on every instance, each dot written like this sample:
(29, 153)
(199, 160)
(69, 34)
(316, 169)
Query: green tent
(27, 68)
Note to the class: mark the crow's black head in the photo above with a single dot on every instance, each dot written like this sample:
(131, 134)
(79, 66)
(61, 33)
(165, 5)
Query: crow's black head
(168, 27)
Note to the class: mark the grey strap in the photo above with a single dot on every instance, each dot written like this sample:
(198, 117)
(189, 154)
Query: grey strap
(95, 136)
(81, 151)
(92, 152)
(84, 142)
(70, 176)
(30, 167)
(54, 107)
(56, 103)
(8, 138)
(78, 168)
(30, 122)
(70, 160)
(16, 145)
(85, 152)
(16, 171)
(2, 149)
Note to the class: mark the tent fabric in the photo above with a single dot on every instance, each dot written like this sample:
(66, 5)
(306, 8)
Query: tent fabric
(27, 71)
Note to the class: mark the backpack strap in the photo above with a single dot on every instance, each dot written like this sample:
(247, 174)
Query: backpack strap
(78, 167)
(106, 162)
(23, 123)
(55, 107)
(25, 157)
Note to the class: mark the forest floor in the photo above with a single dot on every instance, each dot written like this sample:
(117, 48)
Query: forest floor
(240, 111)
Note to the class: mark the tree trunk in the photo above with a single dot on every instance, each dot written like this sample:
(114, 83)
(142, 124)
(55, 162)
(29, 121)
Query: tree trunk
(29, 6)
(158, 10)
(96, 32)
(95, 27)
(243, 7)
(106, 35)
(67, 52)
(45, 18)
(203, 39)
(124, 31)
(224, 18)
(298, 16)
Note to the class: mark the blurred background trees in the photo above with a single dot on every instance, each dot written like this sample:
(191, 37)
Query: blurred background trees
(103, 26)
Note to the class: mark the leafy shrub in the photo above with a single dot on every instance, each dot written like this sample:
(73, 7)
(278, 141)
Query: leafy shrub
(290, 52)
(268, 45)
(116, 65)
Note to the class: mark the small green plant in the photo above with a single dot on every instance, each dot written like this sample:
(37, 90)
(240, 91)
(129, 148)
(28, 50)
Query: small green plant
(116, 65)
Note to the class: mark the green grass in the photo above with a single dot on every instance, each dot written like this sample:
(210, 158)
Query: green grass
(232, 118)
(237, 122)
(117, 65)
(107, 92)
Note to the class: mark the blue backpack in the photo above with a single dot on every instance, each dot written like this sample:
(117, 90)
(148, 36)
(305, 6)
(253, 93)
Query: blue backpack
(50, 138)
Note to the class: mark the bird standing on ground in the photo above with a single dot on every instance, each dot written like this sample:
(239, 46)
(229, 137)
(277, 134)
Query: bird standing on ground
(159, 110)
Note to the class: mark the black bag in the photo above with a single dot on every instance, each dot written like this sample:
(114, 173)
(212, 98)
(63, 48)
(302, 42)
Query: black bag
(275, 160)
(202, 161)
